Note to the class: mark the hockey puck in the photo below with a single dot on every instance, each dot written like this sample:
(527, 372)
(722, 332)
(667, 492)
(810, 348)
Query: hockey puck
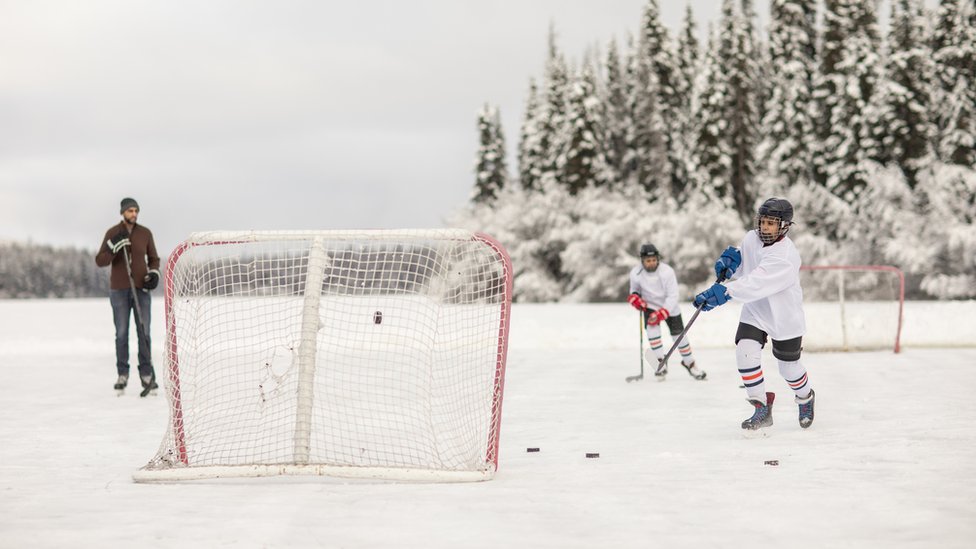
(773, 462)
(377, 317)
(592, 454)
(531, 449)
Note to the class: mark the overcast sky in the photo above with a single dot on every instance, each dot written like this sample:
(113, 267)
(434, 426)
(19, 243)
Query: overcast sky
(267, 114)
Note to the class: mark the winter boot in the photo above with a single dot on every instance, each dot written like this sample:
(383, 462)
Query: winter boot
(806, 409)
(694, 371)
(763, 415)
(121, 382)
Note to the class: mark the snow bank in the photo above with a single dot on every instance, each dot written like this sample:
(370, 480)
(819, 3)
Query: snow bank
(874, 325)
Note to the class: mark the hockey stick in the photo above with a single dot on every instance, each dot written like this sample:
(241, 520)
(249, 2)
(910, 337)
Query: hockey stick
(677, 341)
(641, 376)
(664, 361)
(140, 329)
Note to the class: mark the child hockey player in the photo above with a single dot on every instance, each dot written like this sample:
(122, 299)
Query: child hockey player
(763, 274)
(654, 290)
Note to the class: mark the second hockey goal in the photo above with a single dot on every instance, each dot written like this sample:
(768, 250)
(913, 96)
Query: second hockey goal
(864, 305)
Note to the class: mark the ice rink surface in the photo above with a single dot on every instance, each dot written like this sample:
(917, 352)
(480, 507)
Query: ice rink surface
(890, 460)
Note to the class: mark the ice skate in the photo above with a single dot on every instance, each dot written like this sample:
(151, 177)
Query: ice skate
(662, 370)
(120, 384)
(763, 414)
(806, 409)
(148, 385)
(694, 371)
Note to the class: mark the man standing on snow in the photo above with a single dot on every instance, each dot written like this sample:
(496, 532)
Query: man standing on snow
(129, 248)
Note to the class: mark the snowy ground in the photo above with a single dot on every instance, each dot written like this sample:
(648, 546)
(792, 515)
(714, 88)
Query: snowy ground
(890, 461)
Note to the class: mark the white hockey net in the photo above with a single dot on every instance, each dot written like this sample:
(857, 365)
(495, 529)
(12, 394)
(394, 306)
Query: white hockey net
(863, 305)
(376, 354)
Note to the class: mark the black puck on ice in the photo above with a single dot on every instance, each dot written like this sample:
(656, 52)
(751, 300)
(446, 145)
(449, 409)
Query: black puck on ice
(377, 317)
(531, 449)
(773, 462)
(592, 454)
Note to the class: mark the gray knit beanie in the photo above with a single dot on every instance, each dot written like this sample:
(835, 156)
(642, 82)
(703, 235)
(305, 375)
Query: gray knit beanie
(129, 203)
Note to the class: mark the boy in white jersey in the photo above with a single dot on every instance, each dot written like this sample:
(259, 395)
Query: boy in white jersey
(654, 291)
(764, 275)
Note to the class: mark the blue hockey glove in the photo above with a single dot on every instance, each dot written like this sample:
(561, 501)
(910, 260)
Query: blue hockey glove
(713, 297)
(727, 263)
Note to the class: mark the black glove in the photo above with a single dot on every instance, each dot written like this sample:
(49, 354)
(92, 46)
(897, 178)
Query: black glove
(151, 280)
(118, 242)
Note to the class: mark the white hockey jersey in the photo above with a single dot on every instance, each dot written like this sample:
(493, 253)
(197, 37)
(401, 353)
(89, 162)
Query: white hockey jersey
(658, 289)
(768, 283)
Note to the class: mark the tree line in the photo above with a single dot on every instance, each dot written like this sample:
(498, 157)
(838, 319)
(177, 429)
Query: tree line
(871, 135)
(37, 270)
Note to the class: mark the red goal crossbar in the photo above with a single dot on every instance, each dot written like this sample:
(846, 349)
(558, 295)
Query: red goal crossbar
(887, 268)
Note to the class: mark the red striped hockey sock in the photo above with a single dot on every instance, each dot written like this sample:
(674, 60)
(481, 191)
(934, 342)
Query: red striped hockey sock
(685, 350)
(654, 340)
(748, 354)
(795, 375)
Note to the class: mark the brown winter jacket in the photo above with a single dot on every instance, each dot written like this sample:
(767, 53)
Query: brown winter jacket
(143, 248)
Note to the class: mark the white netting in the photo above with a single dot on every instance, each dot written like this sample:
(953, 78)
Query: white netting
(865, 303)
(392, 366)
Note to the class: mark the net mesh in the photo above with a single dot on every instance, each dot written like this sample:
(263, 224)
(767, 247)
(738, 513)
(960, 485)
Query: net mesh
(377, 349)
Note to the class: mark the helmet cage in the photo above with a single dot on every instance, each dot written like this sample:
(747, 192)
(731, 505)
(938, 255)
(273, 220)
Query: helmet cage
(778, 209)
(784, 227)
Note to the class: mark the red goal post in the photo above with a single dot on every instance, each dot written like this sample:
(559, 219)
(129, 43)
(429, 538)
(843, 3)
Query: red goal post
(373, 354)
(874, 292)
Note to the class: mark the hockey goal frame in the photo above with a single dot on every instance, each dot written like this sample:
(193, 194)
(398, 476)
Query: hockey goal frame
(183, 469)
(875, 268)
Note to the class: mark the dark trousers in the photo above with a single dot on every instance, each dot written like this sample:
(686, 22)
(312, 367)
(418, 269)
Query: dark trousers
(122, 303)
(675, 325)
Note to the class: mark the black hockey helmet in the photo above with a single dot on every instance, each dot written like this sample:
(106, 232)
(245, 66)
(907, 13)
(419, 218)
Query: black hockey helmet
(776, 208)
(649, 250)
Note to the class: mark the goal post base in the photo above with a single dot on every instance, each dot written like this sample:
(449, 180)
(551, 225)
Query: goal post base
(179, 474)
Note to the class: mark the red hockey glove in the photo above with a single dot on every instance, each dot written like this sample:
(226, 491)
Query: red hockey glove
(657, 317)
(636, 302)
